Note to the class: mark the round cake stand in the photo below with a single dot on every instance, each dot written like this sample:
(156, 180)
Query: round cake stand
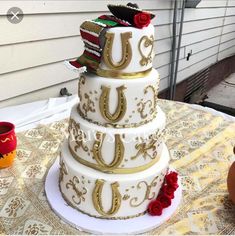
(93, 225)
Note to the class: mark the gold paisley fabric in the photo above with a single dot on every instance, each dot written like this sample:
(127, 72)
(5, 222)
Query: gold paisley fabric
(201, 149)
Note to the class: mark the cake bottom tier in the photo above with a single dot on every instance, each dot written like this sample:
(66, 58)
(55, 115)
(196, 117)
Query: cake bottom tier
(110, 196)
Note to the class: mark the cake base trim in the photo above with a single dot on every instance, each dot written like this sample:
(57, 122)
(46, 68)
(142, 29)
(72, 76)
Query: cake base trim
(114, 171)
(113, 74)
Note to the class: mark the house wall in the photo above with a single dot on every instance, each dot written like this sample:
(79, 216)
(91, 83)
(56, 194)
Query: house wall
(32, 52)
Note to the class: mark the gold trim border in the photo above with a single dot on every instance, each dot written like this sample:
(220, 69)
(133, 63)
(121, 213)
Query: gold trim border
(112, 74)
(114, 171)
(99, 217)
(117, 126)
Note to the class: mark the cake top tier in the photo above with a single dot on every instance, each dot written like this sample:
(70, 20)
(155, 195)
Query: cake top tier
(118, 45)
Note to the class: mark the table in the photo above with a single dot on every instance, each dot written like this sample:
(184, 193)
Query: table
(200, 144)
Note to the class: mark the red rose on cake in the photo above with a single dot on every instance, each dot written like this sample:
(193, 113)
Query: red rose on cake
(172, 179)
(155, 208)
(142, 20)
(164, 200)
(165, 196)
(168, 190)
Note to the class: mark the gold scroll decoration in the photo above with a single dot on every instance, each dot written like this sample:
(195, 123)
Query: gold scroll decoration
(148, 195)
(146, 42)
(118, 154)
(143, 149)
(149, 103)
(97, 198)
(126, 51)
(78, 135)
(79, 195)
(63, 170)
(104, 104)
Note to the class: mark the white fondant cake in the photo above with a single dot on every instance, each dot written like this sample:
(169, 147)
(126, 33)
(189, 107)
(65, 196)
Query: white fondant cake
(115, 160)
(102, 97)
(113, 196)
(139, 147)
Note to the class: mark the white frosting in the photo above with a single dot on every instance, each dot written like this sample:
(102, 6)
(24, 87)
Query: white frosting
(125, 112)
(141, 94)
(137, 34)
(128, 136)
(128, 185)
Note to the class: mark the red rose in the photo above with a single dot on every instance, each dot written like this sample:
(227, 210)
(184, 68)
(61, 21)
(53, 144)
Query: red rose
(174, 185)
(142, 20)
(171, 178)
(155, 208)
(168, 190)
(164, 200)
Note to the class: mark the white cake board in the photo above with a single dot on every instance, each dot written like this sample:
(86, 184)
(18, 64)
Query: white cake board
(93, 225)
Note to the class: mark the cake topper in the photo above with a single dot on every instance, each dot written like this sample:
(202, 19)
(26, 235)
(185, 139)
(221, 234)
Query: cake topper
(132, 14)
(91, 30)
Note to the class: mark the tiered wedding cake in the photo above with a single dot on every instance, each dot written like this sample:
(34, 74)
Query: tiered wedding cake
(114, 161)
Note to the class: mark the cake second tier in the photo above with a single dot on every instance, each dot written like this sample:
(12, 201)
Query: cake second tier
(118, 102)
(111, 150)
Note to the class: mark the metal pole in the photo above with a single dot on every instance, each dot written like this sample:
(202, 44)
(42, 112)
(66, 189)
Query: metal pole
(173, 48)
(178, 48)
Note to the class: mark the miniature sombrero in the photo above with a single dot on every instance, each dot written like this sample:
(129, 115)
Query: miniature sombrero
(132, 14)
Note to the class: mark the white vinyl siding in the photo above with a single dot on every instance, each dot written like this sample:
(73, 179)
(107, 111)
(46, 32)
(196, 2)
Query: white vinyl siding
(32, 52)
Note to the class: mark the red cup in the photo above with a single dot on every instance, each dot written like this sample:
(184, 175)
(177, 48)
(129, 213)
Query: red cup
(8, 143)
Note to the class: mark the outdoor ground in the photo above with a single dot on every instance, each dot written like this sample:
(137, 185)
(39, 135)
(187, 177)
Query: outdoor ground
(222, 96)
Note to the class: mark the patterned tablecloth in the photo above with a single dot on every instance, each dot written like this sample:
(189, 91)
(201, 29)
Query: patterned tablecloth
(201, 149)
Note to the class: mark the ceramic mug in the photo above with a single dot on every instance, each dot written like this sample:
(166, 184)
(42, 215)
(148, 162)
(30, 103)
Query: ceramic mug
(8, 143)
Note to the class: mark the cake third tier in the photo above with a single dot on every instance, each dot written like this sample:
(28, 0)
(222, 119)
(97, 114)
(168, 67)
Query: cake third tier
(118, 102)
(107, 149)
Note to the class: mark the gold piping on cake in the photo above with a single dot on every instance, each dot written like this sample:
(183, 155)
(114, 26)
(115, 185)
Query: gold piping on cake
(79, 194)
(126, 51)
(143, 148)
(78, 135)
(114, 171)
(151, 104)
(117, 126)
(112, 74)
(99, 217)
(118, 154)
(63, 170)
(104, 104)
(97, 198)
(147, 196)
(146, 41)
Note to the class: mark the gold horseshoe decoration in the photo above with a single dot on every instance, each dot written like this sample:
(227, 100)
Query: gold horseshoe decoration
(118, 155)
(126, 51)
(148, 41)
(104, 104)
(97, 198)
